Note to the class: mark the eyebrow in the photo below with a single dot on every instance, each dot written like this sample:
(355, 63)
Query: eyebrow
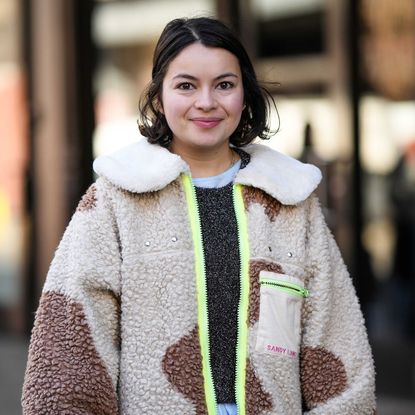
(193, 78)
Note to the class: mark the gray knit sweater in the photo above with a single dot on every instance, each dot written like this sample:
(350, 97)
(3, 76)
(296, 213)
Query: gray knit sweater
(222, 262)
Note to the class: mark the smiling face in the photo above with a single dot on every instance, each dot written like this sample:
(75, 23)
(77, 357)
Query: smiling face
(202, 98)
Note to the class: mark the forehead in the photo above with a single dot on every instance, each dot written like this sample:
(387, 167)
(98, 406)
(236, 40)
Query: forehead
(199, 60)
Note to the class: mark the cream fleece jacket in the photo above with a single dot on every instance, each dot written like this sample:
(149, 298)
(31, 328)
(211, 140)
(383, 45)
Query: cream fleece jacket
(117, 332)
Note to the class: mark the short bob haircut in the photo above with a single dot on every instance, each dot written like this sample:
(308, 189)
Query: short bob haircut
(177, 35)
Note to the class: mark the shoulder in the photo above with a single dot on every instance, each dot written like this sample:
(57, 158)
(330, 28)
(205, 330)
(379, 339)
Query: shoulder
(284, 178)
(140, 167)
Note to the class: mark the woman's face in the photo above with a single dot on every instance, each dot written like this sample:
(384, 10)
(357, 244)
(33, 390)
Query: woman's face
(202, 98)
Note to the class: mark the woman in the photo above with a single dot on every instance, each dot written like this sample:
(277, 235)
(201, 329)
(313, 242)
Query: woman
(198, 275)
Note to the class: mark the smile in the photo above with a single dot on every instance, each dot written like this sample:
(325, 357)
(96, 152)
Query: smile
(206, 122)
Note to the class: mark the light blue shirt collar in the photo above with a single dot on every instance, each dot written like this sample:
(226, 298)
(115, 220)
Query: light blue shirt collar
(221, 180)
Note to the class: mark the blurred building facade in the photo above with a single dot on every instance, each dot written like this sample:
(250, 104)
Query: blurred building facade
(71, 73)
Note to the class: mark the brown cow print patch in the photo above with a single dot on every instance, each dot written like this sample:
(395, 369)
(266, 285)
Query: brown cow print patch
(65, 373)
(182, 364)
(88, 200)
(323, 376)
(253, 195)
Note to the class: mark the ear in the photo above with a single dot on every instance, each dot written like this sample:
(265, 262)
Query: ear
(159, 106)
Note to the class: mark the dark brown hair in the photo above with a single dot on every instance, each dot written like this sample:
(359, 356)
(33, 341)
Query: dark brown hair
(177, 35)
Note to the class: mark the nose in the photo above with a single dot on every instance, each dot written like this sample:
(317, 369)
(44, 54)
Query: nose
(205, 100)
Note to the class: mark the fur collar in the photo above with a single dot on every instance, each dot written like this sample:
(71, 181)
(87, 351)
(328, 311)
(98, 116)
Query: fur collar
(143, 167)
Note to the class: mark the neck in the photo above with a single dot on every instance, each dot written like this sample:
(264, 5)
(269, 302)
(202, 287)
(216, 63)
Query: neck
(209, 162)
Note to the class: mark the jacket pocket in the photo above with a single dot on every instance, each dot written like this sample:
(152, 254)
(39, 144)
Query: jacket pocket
(279, 330)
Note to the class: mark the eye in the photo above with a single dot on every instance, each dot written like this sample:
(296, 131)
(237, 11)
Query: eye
(185, 86)
(226, 85)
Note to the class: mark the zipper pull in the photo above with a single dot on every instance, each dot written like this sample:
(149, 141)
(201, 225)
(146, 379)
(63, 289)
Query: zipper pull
(305, 293)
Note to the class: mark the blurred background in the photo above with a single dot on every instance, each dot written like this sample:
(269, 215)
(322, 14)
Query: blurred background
(71, 72)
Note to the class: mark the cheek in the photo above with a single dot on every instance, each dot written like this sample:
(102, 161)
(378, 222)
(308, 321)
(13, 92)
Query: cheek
(173, 107)
(236, 105)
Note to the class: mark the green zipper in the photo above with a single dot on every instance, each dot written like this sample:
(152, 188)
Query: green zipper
(203, 317)
(242, 339)
(285, 286)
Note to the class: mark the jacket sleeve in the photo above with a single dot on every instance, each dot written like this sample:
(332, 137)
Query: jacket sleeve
(73, 357)
(337, 372)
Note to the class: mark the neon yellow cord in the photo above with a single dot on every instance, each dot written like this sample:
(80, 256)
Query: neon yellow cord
(242, 343)
(203, 321)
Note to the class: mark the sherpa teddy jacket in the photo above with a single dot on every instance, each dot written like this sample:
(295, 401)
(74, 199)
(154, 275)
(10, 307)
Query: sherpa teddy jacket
(122, 325)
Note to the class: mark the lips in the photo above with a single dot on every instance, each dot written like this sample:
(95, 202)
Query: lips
(204, 122)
